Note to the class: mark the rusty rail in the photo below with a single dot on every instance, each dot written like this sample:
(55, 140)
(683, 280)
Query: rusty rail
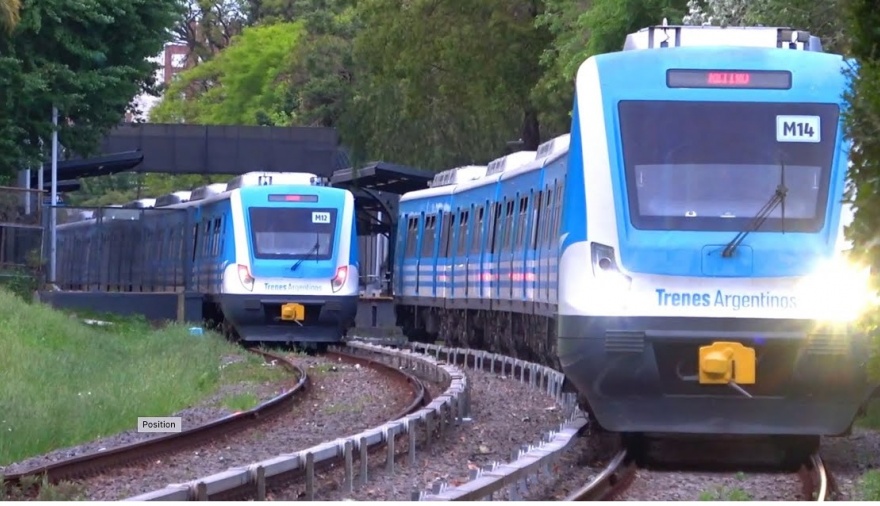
(817, 482)
(614, 479)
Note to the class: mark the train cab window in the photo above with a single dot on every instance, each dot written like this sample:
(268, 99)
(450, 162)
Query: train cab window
(293, 233)
(462, 233)
(477, 242)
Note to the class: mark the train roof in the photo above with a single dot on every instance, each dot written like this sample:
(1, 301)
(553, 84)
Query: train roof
(173, 198)
(665, 36)
(271, 179)
(445, 182)
(140, 204)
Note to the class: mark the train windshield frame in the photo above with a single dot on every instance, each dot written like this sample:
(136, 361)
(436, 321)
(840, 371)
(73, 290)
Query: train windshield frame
(292, 233)
(712, 166)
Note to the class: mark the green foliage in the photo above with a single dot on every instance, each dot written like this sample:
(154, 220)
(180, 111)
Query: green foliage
(869, 486)
(243, 85)
(601, 28)
(125, 187)
(20, 282)
(725, 494)
(88, 381)
(87, 57)
(863, 128)
(444, 83)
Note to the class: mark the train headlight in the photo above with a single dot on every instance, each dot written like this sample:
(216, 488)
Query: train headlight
(838, 290)
(244, 275)
(338, 280)
(610, 280)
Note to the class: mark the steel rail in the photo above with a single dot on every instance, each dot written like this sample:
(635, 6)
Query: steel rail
(616, 476)
(816, 480)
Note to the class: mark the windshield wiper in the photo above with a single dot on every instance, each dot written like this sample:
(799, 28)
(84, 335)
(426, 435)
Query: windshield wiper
(759, 219)
(312, 251)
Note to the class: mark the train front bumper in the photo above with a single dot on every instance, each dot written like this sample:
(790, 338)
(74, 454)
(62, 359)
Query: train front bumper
(642, 374)
(293, 318)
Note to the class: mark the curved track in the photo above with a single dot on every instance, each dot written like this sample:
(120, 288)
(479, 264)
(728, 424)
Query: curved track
(95, 463)
(616, 476)
(621, 470)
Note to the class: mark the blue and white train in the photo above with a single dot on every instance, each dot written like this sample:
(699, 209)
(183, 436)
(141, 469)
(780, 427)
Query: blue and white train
(679, 255)
(273, 255)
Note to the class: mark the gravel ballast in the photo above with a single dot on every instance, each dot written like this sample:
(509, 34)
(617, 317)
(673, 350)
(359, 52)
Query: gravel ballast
(650, 485)
(505, 414)
(849, 458)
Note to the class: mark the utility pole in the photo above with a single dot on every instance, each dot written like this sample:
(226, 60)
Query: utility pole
(54, 215)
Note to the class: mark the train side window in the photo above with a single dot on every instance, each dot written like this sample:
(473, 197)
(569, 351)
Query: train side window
(451, 219)
(220, 236)
(495, 229)
(444, 235)
(536, 219)
(206, 232)
(412, 224)
(521, 223)
(558, 225)
(428, 236)
(462, 234)
(195, 242)
(548, 206)
(502, 225)
(477, 242)
(508, 225)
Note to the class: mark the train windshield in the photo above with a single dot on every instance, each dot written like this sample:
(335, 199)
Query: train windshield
(713, 165)
(292, 233)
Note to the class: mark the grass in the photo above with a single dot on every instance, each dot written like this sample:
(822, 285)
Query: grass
(725, 494)
(871, 419)
(869, 486)
(63, 382)
(240, 402)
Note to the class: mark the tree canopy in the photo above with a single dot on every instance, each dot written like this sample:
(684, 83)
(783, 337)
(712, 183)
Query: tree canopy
(88, 58)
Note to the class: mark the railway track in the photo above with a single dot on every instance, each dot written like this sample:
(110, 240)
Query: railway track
(93, 464)
(621, 471)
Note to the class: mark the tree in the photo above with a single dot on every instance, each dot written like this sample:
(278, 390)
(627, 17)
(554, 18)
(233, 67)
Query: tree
(599, 28)
(89, 58)
(444, 83)
(9, 14)
(208, 26)
(862, 121)
(243, 85)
